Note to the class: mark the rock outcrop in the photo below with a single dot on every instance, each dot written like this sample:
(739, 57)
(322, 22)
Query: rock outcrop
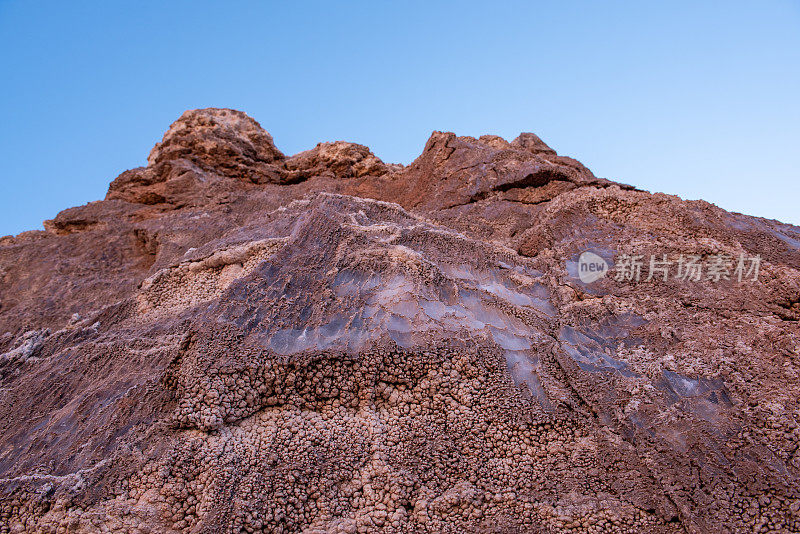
(239, 341)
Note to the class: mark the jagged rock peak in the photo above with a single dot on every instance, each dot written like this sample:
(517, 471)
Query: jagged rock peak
(207, 135)
(338, 159)
(532, 143)
(209, 151)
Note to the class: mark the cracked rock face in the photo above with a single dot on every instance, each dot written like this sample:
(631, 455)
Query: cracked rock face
(239, 341)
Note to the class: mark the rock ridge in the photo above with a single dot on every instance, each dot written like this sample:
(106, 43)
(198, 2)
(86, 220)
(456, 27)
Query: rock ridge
(237, 340)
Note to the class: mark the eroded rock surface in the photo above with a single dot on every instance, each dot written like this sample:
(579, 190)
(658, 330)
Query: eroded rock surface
(240, 341)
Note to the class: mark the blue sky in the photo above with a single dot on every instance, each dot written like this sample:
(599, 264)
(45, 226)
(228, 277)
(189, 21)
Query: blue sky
(689, 98)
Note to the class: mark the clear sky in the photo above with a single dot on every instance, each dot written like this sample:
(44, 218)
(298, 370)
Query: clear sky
(698, 99)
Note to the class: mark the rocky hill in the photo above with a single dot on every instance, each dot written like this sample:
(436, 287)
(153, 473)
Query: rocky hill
(491, 339)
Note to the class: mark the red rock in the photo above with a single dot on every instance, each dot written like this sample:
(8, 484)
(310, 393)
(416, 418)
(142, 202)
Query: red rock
(236, 340)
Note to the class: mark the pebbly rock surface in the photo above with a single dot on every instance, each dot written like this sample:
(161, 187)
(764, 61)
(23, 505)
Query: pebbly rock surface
(235, 340)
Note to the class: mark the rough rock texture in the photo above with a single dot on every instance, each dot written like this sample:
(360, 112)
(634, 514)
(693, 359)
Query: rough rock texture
(240, 341)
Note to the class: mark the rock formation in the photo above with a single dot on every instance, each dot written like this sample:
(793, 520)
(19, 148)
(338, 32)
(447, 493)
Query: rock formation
(239, 341)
